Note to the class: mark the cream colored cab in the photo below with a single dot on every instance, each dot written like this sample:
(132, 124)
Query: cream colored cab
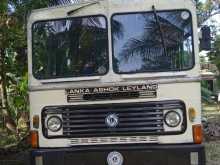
(114, 72)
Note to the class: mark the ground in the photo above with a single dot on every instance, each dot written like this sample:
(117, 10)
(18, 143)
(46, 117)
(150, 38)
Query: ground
(211, 117)
(213, 152)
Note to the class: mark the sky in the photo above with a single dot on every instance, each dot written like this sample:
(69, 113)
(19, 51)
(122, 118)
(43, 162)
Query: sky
(215, 20)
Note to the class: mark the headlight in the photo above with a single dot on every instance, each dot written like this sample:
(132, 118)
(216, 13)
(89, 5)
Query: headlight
(172, 119)
(54, 123)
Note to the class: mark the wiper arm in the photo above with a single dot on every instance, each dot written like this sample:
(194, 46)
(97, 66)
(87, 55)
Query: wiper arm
(160, 29)
(81, 7)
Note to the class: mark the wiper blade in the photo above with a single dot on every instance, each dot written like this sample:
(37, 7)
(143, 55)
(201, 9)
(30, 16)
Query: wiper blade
(160, 29)
(81, 7)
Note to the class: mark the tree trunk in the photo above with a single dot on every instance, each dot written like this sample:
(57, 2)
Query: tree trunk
(8, 123)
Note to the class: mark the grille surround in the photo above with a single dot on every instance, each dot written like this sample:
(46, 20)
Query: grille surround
(131, 120)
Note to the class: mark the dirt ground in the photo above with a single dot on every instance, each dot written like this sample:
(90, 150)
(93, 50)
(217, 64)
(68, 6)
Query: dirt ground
(213, 152)
(211, 115)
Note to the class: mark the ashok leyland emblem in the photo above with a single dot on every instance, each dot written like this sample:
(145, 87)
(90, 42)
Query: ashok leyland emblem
(112, 120)
(115, 158)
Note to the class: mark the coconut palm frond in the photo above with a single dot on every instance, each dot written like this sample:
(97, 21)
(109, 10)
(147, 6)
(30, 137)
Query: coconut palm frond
(134, 46)
(94, 21)
(151, 38)
(117, 29)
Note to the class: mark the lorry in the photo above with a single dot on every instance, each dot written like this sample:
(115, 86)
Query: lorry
(115, 82)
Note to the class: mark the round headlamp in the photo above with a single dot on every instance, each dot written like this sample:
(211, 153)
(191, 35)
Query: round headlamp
(172, 119)
(54, 123)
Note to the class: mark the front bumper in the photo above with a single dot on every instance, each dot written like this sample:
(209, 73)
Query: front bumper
(189, 154)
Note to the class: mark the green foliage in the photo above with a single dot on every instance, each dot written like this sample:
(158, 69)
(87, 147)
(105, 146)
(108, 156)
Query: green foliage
(7, 140)
(18, 97)
(206, 94)
(214, 55)
(206, 9)
(13, 45)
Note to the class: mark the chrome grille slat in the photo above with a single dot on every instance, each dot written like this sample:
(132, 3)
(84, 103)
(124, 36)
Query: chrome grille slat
(121, 115)
(149, 109)
(150, 129)
(65, 126)
(91, 119)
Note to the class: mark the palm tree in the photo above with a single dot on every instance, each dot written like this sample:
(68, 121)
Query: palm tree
(151, 40)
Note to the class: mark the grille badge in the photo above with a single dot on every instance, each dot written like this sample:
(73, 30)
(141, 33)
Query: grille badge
(112, 120)
(115, 158)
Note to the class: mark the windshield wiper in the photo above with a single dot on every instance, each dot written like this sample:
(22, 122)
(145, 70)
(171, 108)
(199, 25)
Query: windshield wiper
(160, 29)
(81, 7)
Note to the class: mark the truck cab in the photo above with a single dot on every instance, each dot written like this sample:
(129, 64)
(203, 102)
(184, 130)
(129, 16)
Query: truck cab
(115, 82)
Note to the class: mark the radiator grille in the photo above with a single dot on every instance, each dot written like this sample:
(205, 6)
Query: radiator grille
(134, 119)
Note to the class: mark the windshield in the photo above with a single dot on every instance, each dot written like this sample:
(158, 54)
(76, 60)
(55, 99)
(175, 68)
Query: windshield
(154, 41)
(71, 47)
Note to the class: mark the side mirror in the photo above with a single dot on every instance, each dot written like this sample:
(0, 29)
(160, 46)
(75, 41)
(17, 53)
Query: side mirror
(205, 40)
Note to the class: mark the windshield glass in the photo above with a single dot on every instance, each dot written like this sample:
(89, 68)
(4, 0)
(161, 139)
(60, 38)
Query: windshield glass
(155, 41)
(71, 47)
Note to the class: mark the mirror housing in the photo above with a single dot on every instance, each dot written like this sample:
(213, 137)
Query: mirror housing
(205, 40)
